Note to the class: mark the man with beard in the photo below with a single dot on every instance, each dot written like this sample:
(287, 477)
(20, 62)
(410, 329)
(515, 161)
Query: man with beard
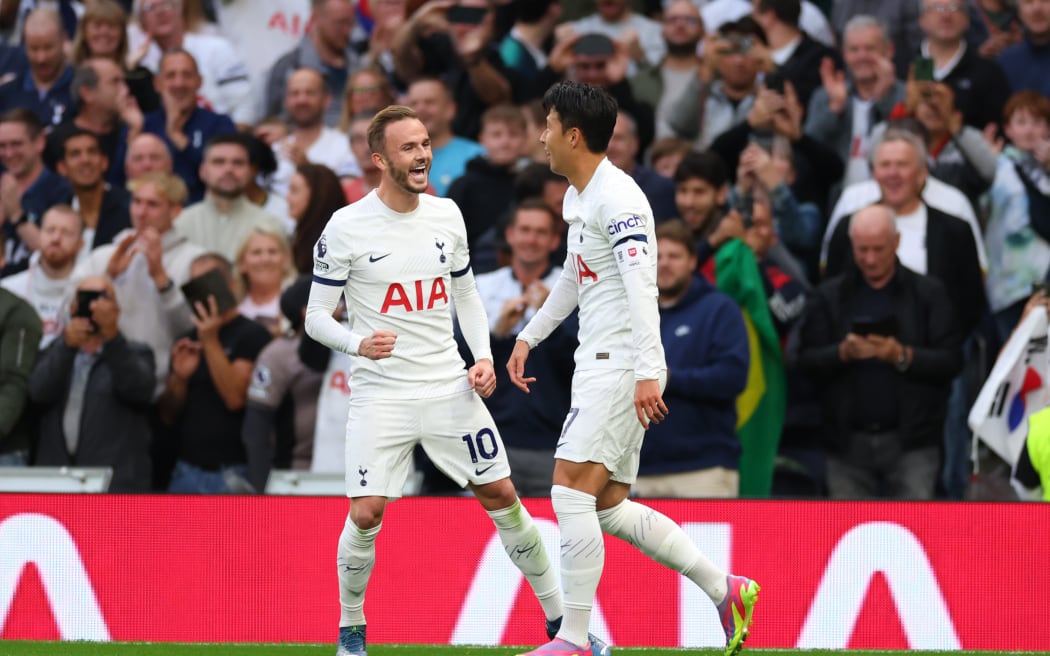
(695, 452)
(46, 283)
(661, 85)
(221, 221)
(399, 256)
(305, 101)
(43, 86)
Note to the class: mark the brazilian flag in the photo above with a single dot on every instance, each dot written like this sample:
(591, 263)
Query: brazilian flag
(760, 408)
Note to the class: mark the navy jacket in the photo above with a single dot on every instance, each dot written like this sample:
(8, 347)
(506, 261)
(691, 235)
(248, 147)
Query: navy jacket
(22, 92)
(706, 347)
(203, 125)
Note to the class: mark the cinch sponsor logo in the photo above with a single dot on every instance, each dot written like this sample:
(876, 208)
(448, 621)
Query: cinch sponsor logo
(626, 224)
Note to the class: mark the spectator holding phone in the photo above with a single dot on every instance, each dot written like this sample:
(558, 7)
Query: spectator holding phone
(882, 344)
(979, 84)
(721, 94)
(850, 103)
(454, 40)
(205, 395)
(94, 387)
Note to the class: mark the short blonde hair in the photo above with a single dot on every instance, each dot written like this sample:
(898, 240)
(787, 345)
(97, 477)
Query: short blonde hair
(169, 185)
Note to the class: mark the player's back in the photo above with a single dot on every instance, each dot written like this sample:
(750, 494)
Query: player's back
(610, 227)
(398, 269)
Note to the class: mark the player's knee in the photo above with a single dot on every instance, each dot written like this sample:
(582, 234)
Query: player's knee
(496, 495)
(366, 515)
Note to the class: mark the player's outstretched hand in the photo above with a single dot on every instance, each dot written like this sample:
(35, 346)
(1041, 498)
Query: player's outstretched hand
(483, 378)
(516, 366)
(649, 403)
(378, 345)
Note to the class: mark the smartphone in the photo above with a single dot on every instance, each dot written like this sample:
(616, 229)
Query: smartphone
(210, 283)
(884, 327)
(745, 205)
(922, 69)
(775, 81)
(85, 297)
(466, 15)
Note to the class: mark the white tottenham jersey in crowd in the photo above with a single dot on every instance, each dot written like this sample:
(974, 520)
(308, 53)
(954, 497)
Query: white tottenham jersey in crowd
(611, 269)
(398, 270)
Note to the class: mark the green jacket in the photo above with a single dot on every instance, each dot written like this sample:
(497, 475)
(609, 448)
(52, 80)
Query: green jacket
(20, 332)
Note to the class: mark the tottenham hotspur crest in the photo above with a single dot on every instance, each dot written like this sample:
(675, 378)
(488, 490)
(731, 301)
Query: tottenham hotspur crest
(441, 247)
(322, 247)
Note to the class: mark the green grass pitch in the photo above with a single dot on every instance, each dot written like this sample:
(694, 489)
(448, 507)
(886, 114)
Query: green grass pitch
(28, 648)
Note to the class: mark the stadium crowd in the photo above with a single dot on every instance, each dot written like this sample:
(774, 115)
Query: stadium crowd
(852, 201)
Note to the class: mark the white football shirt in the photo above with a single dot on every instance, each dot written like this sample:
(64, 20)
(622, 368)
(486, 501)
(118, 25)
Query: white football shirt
(611, 269)
(397, 272)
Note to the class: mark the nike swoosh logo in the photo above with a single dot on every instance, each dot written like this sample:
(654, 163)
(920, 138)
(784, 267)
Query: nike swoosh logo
(478, 471)
(372, 258)
(559, 445)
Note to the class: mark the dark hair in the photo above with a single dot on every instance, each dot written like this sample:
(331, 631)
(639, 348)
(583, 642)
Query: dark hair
(587, 108)
(80, 132)
(532, 179)
(26, 117)
(326, 196)
(744, 26)
(678, 231)
(226, 138)
(171, 52)
(534, 203)
(531, 12)
(294, 298)
(786, 11)
(706, 165)
(259, 154)
(383, 118)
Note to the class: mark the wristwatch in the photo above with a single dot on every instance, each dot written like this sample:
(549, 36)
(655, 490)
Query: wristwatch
(902, 360)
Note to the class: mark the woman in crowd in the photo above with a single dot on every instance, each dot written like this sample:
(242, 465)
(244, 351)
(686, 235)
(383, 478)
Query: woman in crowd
(102, 32)
(264, 267)
(314, 194)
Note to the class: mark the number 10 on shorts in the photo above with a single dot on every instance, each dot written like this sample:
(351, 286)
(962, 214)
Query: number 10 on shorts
(483, 443)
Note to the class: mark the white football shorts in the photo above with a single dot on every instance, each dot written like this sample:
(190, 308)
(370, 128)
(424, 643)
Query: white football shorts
(602, 425)
(457, 432)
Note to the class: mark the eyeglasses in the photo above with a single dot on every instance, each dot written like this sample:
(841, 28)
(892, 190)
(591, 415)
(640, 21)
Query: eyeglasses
(950, 8)
(687, 20)
(156, 5)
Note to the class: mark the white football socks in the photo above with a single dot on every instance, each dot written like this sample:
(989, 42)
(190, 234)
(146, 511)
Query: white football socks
(582, 559)
(521, 539)
(660, 538)
(355, 559)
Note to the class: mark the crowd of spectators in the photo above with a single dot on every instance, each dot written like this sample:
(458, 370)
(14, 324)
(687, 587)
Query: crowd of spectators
(852, 202)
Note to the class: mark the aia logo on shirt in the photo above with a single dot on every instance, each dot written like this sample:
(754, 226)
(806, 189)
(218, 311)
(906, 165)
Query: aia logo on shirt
(397, 296)
(626, 224)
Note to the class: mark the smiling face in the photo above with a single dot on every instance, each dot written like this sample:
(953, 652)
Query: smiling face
(861, 49)
(263, 260)
(19, 153)
(532, 236)
(103, 37)
(178, 81)
(83, 162)
(406, 157)
(900, 174)
(557, 142)
(697, 199)
(674, 267)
